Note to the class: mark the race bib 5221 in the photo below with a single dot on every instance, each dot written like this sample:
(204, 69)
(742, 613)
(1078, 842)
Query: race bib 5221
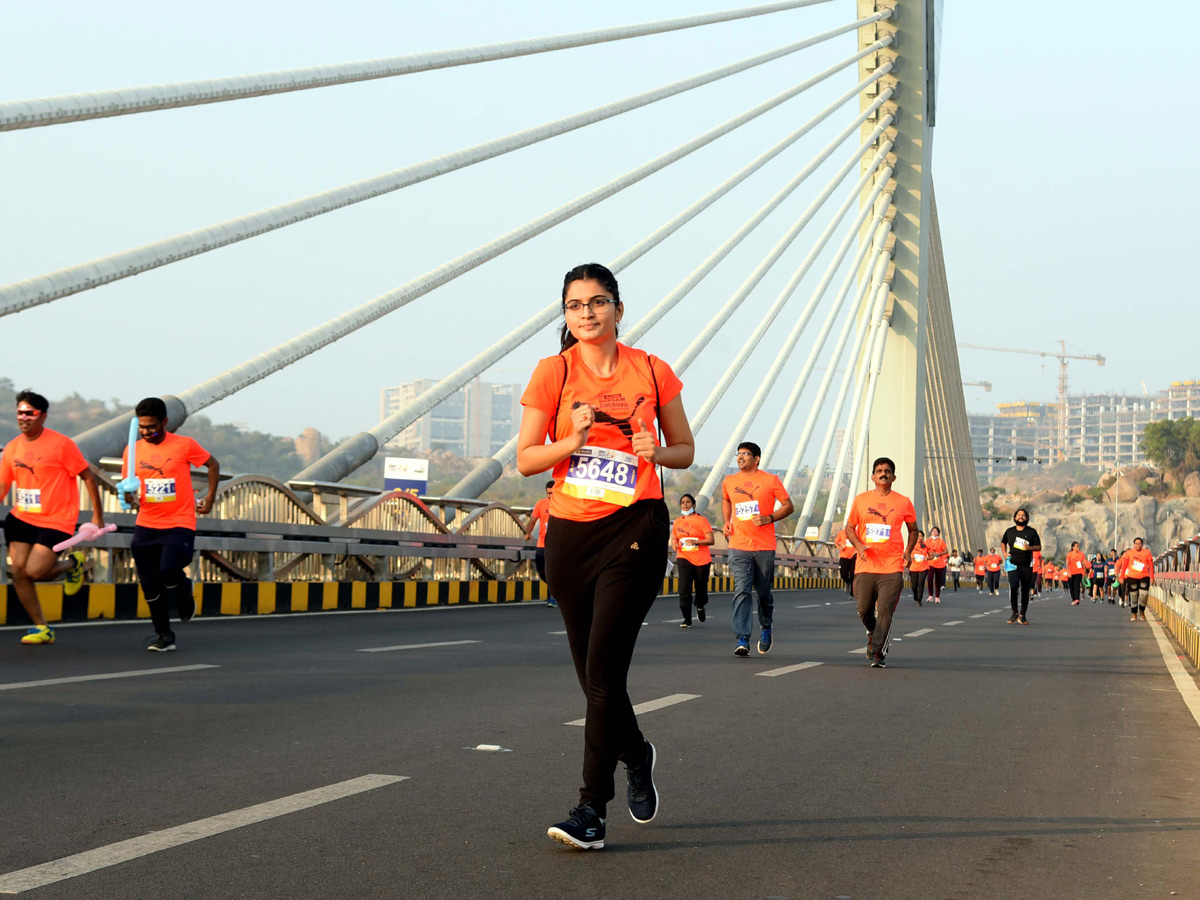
(597, 473)
(160, 490)
(29, 500)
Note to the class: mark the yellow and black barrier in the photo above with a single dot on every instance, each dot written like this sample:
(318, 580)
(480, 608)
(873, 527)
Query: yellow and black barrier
(1181, 629)
(125, 601)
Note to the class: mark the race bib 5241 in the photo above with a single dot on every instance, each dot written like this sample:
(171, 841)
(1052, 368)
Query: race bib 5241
(597, 473)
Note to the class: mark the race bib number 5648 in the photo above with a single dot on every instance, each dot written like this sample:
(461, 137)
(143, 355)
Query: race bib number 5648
(598, 473)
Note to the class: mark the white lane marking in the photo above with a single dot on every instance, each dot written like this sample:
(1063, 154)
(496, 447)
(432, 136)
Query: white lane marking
(858, 650)
(16, 685)
(811, 606)
(955, 622)
(979, 616)
(920, 632)
(1183, 682)
(772, 673)
(651, 705)
(555, 632)
(123, 851)
(415, 646)
(444, 607)
(844, 602)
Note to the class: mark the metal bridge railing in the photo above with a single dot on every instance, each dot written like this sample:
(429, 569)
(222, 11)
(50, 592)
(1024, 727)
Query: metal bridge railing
(262, 530)
(1175, 594)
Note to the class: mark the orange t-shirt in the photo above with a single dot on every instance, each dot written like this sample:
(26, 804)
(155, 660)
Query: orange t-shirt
(845, 548)
(604, 476)
(43, 472)
(687, 530)
(920, 557)
(1076, 563)
(1037, 560)
(995, 562)
(541, 512)
(165, 471)
(936, 545)
(980, 564)
(1139, 564)
(876, 520)
(751, 494)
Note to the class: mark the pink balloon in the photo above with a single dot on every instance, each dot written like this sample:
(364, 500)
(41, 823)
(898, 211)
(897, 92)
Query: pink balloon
(87, 532)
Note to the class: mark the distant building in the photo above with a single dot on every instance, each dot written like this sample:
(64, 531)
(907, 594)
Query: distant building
(472, 422)
(308, 446)
(1103, 430)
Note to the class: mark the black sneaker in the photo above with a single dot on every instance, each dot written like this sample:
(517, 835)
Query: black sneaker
(1012, 621)
(685, 624)
(878, 663)
(583, 829)
(163, 642)
(700, 613)
(1023, 620)
(640, 791)
(742, 648)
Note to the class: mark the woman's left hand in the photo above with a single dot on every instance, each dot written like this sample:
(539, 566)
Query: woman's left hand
(643, 442)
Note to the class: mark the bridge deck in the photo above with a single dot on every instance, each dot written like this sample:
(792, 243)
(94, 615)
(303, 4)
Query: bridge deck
(988, 760)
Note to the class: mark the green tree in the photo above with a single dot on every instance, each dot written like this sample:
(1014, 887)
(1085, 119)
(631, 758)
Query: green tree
(1173, 444)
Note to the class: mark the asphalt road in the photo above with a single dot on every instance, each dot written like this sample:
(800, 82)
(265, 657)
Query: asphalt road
(988, 760)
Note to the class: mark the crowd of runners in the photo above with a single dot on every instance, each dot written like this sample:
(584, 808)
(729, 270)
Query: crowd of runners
(603, 418)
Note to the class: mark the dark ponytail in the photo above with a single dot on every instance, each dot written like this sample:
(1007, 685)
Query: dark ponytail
(587, 272)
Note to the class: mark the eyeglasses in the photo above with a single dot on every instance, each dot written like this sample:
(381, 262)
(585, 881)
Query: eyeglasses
(596, 304)
(28, 413)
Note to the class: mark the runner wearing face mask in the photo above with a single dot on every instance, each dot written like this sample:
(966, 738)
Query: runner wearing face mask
(917, 567)
(994, 564)
(938, 553)
(692, 535)
(1019, 543)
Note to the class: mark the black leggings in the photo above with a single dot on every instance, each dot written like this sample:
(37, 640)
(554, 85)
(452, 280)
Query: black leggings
(993, 579)
(1075, 583)
(692, 576)
(937, 581)
(605, 575)
(846, 568)
(1020, 582)
(160, 555)
(917, 582)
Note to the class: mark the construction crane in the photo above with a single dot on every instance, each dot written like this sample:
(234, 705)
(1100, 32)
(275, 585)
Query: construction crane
(986, 385)
(1062, 357)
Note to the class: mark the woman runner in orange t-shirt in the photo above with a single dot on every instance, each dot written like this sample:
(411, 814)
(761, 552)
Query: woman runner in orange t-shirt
(936, 556)
(590, 415)
(918, 567)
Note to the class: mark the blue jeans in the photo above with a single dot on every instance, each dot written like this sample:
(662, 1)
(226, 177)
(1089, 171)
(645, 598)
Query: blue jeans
(752, 569)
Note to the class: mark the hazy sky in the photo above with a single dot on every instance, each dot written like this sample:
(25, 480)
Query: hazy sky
(1057, 160)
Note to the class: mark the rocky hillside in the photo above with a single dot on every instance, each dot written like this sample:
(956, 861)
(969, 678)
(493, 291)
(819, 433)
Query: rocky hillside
(1162, 511)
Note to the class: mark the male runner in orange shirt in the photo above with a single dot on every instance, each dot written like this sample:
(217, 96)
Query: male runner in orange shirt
(873, 526)
(1139, 574)
(539, 518)
(748, 500)
(164, 533)
(42, 465)
(1077, 564)
(980, 563)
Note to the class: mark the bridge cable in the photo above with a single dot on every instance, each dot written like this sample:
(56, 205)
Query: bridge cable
(866, 340)
(735, 366)
(57, 110)
(488, 471)
(783, 356)
(52, 286)
(851, 280)
(361, 448)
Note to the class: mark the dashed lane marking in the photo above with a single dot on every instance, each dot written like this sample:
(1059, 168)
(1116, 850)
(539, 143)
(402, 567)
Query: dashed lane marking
(955, 622)
(555, 632)
(124, 851)
(772, 673)
(920, 632)
(978, 616)
(651, 705)
(811, 606)
(16, 685)
(416, 646)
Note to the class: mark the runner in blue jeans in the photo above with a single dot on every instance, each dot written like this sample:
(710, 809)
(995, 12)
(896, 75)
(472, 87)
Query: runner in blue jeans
(748, 499)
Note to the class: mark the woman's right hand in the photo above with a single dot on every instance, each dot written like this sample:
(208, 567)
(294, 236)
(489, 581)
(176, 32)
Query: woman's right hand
(583, 417)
